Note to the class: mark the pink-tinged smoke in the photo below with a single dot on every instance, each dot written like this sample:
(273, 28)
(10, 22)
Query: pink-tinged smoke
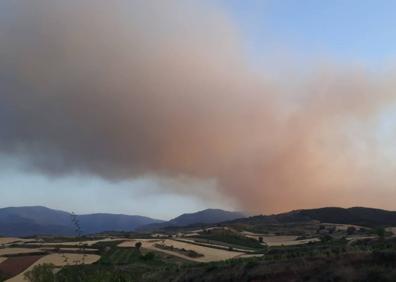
(122, 89)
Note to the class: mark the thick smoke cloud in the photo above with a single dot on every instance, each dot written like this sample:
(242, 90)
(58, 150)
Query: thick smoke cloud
(122, 89)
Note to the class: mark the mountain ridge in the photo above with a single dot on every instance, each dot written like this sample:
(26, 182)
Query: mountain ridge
(370, 217)
(39, 220)
(207, 216)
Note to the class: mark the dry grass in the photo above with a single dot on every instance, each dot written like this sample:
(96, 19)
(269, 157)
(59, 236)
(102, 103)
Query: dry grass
(342, 227)
(391, 229)
(59, 259)
(209, 254)
(279, 240)
(131, 243)
(213, 245)
(68, 249)
(15, 251)
(10, 240)
(76, 243)
(360, 237)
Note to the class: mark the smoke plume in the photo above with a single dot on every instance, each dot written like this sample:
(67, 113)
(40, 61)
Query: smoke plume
(122, 89)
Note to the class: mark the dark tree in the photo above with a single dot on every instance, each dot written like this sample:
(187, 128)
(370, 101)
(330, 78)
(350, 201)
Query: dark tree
(380, 232)
(138, 245)
(351, 230)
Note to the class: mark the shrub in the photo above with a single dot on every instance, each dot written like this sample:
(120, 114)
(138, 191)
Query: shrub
(138, 245)
(148, 256)
(41, 273)
(351, 230)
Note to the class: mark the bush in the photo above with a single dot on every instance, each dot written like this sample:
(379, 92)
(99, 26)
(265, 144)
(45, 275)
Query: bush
(351, 230)
(384, 256)
(375, 275)
(148, 256)
(138, 245)
(380, 232)
(41, 273)
(325, 238)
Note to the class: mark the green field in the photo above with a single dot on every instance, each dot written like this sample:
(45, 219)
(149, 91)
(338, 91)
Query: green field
(229, 239)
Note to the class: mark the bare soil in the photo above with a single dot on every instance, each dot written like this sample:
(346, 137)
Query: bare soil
(15, 265)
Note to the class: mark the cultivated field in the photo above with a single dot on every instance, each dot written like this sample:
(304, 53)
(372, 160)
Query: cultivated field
(209, 254)
(170, 250)
(75, 243)
(392, 230)
(15, 265)
(59, 260)
(15, 251)
(174, 252)
(15, 261)
(212, 245)
(279, 240)
(342, 227)
(4, 241)
(68, 249)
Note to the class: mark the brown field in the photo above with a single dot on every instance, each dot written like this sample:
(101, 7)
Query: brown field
(213, 245)
(131, 243)
(360, 237)
(210, 254)
(57, 260)
(286, 240)
(16, 251)
(342, 227)
(391, 229)
(10, 240)
(68, 249)
(15, 265)
(75, 244)
(250, 256)
(276, 240)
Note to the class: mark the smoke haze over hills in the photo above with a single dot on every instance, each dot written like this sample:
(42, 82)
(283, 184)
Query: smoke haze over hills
(128, 89)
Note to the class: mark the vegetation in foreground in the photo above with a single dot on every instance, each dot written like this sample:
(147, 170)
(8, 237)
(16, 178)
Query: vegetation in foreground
(328, 260)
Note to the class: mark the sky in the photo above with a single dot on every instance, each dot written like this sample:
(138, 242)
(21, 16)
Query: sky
(348, 31)
(159, 108)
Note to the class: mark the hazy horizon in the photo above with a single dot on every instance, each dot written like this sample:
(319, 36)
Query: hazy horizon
(159, 108)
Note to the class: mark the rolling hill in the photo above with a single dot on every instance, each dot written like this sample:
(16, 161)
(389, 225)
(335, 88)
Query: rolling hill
(37, 220)
(356, 215)
(208, 216)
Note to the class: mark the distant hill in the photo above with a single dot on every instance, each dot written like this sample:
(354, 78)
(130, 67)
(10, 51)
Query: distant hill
(95, 223)
(36, 220)
(208, 216)
(357, 215)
